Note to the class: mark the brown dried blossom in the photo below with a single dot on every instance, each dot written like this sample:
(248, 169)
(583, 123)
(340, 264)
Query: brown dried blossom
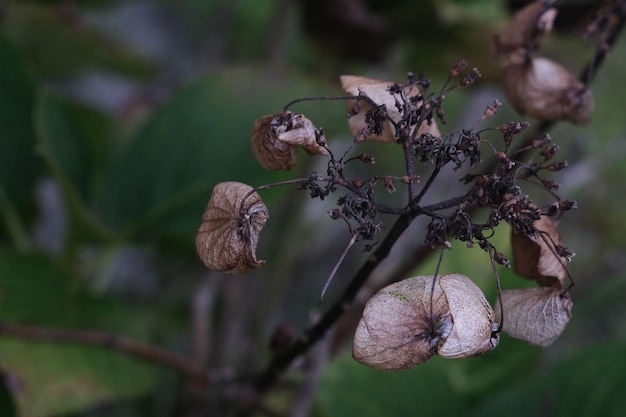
(229, 230)
(529, 24)
(546, 90)
(535, 315)
(397, 330)
(378, 92)
(535, 255)
(275, 139)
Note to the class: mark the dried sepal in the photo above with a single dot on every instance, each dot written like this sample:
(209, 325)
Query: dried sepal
(535, 315)
(546, 90)
(398, 332)
(275, 139)
(378, 92)
(474, 320)
(529, 24)
(229, 230)
(535, 256)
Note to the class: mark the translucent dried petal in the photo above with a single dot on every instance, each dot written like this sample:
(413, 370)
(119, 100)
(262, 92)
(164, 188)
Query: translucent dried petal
(534, 258)
(229, 230)
(397, 330)
(271, 153)
(535, 315)
(474, 320)
(528, 25)
(543, 89)
(378, 91)
(275, 138)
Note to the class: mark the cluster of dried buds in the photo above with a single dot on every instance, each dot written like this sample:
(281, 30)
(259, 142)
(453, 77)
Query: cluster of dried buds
(407, 322)
(537, 86)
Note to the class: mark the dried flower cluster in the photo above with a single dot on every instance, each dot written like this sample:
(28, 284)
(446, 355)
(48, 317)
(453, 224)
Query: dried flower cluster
(407, 322)
(537, 86)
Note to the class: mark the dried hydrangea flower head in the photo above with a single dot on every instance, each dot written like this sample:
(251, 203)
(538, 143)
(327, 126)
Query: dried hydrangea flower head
(229, 230)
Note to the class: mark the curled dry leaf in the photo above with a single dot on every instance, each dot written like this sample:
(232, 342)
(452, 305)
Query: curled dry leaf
(230, 227)
(541, 88)
(398, 332)
(535, 315)
(534, 256)
(529, 24)
(377, 91)
(275, 139)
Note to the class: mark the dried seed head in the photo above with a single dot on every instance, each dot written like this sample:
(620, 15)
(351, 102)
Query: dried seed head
(275, 138)
(230, 227)
(534, 255)
(377, 91)
(528, 25)
(536, 315)
(541, 88)
(397, 330)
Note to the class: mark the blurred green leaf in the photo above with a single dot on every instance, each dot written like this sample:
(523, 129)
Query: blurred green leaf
(59, 46)
(76, 142)
(58, 378)
(18, 165)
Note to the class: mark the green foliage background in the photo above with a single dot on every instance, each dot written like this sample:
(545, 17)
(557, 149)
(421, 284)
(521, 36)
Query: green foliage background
(135, 177)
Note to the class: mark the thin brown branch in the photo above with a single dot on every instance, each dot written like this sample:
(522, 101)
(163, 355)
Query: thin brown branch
(109, 341)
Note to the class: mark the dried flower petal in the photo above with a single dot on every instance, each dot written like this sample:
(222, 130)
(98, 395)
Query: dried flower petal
(474, 320)
(398, 332)
(541, 88)
(377, 91)
(528, 25)
(230, 227)
(535, 315)
(534, 258)
(276, 136)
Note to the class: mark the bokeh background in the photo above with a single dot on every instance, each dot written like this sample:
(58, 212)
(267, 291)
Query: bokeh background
(118, 117)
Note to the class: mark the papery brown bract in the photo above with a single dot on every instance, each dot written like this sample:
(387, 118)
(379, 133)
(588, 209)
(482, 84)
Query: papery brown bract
(275, 139)
(535, 315)
(378, 92)
(529, 24)
(543, 89)
(473, 332)
(398, 332)
(534, 256)
(229, 230)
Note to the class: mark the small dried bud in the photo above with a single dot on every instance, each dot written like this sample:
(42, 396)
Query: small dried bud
(275, 138)
(541, 141)
(541, 88)
(230, 227)
(398, 332)
(557, 166)
(471, 78)
(549, 151)
(367, 158)
(535, 315)
(389, 184)
(458, 68)
(534, 256)
(357, 183)
(491, 110)
(377, 91)
(335, 214)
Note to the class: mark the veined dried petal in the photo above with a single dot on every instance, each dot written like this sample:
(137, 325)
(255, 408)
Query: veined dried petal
(275, 138)
(377, 91)
(229, 230)
(529, 24)
(534, 256)
(535, 315)
(397, 330)
(474, 320)
(541, 88)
